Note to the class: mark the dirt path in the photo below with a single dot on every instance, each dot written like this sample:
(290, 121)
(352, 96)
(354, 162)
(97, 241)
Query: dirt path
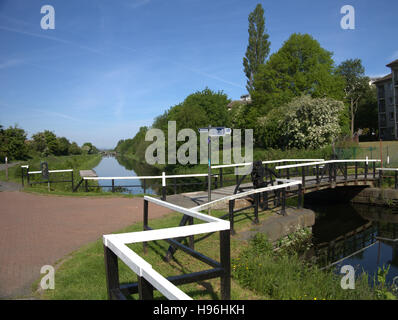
(36, 230)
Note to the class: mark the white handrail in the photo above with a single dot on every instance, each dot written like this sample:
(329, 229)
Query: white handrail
(51, 171)
(150, 177)
(263, 162)
(204, 206)
(322, 162)
(117, 243)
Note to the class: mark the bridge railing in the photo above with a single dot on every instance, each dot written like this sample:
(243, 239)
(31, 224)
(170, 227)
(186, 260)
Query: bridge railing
(261, 198)
(164, 185)
(383, 175)
(227, 173)
(331, 171)
(115, 246)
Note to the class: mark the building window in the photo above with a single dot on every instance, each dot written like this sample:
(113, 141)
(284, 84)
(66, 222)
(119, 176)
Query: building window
(391, 115)
(383, 122)
(382, 106)
(381, 92)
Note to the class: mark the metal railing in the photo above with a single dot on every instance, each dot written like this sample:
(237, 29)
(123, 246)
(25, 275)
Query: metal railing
(26, 174)
(328, 171)
(164, 186)
(149, 279)
(382, 175)
(267, 163)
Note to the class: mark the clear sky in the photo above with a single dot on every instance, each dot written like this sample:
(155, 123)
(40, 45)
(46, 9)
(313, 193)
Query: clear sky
(110, 67)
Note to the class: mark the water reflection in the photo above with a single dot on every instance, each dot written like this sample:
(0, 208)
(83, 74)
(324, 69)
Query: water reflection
(111, 167)
(357, 235)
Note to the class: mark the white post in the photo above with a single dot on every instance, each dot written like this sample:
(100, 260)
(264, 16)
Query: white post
(6, 161)
(163, 179)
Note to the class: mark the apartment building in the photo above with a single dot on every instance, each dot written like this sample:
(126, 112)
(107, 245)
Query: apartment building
(387, 97)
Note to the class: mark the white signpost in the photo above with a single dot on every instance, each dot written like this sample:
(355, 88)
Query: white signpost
(213, 132)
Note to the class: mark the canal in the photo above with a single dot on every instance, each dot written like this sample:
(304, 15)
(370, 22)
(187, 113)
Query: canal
(358, 235)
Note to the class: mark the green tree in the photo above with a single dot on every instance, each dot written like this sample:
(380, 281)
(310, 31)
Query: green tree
(300, 66)
(13, 144)
(89, 148)
(63, 146)
(39, 142)
(74, 149)
(367, 114)
(258, 47)
(355, 85)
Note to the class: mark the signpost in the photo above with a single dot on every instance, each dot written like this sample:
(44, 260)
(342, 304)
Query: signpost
(212, 132)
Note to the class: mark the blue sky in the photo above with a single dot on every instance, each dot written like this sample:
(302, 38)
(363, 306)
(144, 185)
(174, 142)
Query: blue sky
(110, 67)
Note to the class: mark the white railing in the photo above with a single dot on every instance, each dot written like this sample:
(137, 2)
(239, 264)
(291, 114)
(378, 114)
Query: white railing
(117, 244)
(51, 171)
(263, 162)
(286, 184)
(323, 163)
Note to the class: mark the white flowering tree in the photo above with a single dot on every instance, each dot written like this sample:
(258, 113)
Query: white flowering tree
(311, 123)
(305, 122)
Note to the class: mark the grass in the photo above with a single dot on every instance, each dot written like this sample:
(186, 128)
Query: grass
(287, 276)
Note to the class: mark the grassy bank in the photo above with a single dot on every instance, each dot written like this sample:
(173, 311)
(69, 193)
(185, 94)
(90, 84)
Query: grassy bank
(75, 162)
(284, 275)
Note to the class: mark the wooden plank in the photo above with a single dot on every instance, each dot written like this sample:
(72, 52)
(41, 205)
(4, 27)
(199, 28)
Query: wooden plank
(88, 173)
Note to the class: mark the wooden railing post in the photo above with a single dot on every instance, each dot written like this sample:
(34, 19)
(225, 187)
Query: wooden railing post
(145, 289)
(145, 224)
(380, 178)
(300, 197)
(396, 179)
(113, 185)
(221, 178)
(231, 204)
(256, 202)
(283, 210)
(225, 261)
(72, 180)
(111, 271)
(164, 186)
(356, 171)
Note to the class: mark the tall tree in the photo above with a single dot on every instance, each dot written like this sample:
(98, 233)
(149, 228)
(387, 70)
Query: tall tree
(356, 85)
(258, 47)
(300, 66)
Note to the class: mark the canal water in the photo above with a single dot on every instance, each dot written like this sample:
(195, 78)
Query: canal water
(110, 167)
(343, 234)
(357, 235)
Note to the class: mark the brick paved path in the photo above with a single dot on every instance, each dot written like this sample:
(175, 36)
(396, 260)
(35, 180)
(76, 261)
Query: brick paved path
(36, 230)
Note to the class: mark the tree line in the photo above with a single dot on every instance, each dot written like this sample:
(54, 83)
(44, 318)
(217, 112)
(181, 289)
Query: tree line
(299, 97)
(15, 145)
